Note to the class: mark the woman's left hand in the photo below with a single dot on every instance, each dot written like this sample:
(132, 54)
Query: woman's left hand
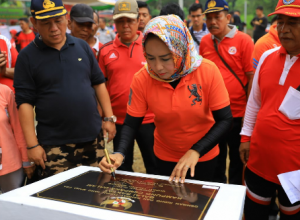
(188, 161)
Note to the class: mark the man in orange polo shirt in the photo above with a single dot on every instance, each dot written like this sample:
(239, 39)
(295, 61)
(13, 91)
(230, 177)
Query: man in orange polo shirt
(24, 37)
(119, 60)
(271, 127)
(236, 49)
(8, 58)
(266, 42)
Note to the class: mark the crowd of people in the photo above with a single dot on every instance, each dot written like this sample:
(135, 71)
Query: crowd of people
(188, 94)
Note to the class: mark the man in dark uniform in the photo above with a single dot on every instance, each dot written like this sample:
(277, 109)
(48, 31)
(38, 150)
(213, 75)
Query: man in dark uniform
(59, 76)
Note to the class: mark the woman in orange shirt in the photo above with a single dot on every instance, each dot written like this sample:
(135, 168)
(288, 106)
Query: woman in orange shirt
(188, 97)
(12, 144)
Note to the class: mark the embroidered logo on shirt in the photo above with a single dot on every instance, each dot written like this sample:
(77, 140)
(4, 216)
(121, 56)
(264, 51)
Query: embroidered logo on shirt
(144, 63)
(79, 59)
(232, 50)
(287, 2)
(195, 93)
(112, 56)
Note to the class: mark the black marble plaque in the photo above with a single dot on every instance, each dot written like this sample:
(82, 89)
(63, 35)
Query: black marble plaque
(135, 195)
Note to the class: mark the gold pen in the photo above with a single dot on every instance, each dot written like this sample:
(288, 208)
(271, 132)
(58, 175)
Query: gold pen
(109, 162)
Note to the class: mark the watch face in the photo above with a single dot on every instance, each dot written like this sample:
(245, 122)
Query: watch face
(114, 118)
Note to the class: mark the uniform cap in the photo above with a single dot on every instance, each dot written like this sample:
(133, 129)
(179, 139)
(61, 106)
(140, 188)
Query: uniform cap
(288, 7)
(82, 13)
(126, 8)
(215, 6)
(43, 9)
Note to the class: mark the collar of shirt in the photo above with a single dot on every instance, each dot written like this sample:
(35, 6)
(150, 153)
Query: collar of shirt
(96, 46)
(283, 51)
(105, 28)
(40, 44)
(118, 43)
(231, 33)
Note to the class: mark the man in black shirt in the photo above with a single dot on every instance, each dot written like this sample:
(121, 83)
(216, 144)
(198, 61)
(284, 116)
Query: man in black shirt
(59, 76)
(259, 23)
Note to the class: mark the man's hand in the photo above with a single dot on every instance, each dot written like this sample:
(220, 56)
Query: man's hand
(3, 62)
(116, 160)
(244, 151)
(110, 128)
(38, 156)
(29, 171)
(188, 161)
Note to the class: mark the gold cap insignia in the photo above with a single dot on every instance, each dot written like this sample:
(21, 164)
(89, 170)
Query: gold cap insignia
(48, 4)
(124, 6)
(211, 4)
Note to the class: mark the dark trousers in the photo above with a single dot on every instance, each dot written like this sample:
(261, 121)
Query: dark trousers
(233, 140)
(145, 139)
(258, 201)
(204, 171)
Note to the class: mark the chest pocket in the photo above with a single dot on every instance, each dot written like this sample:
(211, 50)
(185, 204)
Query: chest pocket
(290, 105)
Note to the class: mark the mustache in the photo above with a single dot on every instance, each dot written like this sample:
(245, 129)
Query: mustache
(213, 27)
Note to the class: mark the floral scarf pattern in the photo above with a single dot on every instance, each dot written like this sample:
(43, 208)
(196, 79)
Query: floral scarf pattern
(173, 32)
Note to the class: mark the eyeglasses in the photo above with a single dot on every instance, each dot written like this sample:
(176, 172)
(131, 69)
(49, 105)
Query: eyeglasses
(196, 16)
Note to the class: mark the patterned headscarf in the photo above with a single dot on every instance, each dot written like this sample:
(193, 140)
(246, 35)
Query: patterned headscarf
(173, 32)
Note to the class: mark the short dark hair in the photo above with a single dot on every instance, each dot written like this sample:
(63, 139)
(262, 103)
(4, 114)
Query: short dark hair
(24, 19)
(237, 11)
(143, 5)
(260, 8)
(195, 7)
(172, 8)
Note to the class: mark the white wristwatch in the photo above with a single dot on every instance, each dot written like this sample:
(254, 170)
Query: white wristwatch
(111, 119)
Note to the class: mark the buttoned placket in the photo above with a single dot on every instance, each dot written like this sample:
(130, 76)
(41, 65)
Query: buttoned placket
(289, 62)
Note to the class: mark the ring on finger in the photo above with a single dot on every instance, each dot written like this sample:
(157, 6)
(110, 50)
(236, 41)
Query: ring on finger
(187, 166)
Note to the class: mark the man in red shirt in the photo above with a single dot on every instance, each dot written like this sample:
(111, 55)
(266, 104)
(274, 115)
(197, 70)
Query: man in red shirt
(8, 58)
(119, 60)
(271, 127)
(24, 37)
(235, 48)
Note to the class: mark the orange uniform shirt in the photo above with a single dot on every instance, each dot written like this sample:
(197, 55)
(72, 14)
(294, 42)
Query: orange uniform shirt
(179, 122)
(275, 138)
(266, 42)
(12, 140)
(236, 49)
(11, 59)
(119, 63)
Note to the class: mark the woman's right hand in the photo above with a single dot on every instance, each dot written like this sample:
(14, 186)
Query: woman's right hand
(116, 160)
